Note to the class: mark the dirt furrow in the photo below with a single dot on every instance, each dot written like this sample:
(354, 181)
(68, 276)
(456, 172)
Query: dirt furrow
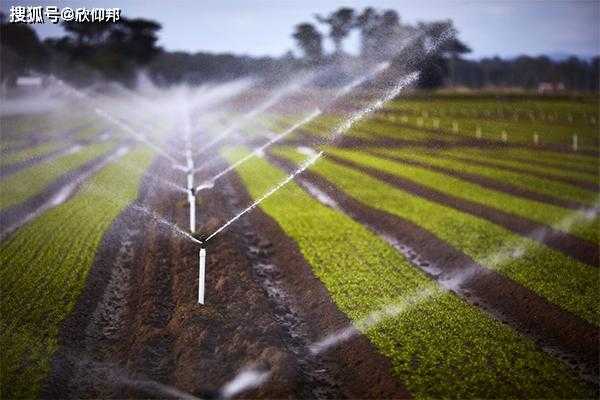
(573, 246)
(558, 332)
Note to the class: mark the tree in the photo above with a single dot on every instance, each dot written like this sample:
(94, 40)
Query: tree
(340, 23)
(438, 43)
(22, 52)
(116, 50)
(310, 41)
(367, 22)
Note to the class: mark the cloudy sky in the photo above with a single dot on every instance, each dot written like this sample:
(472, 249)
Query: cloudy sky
(263, 27)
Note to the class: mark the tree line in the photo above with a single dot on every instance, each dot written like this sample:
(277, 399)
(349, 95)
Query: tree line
(92, 51)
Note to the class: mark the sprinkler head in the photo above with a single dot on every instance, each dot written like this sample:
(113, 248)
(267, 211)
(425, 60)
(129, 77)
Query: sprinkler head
(200, 236)
(205, 185)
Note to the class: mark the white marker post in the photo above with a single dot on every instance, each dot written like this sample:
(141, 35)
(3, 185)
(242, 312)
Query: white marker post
(536, 139)
(504, 136)
(201, 275)
(478, 132)
(455, 127)
(574, 142)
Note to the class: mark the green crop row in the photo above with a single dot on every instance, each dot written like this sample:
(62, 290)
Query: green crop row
(558, 160)
(492, 157)
(572, 113)
(43, 269)
(29, 153)
(516, 132)
(543, 213)
(536, 184)
(570, 284)
(439, 345)
(26, 183)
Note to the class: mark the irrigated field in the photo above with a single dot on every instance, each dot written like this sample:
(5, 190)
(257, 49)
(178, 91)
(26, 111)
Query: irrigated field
(445, 246)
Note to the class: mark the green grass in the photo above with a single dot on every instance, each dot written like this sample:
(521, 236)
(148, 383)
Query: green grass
(44, 266)
(543, 213)
(562, 280)
(26, 183)
(440, 346)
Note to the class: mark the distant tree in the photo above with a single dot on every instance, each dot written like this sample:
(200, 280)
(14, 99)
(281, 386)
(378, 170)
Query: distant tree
(438, 46)
(367, 22)
(21, 51)
(116, 50)
(310, 41)
(340, 24)
(594, 73)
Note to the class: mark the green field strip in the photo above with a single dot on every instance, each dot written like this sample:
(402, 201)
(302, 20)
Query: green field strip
(542, 213)
(440, 347)
(493, 157)
(536, 184)
(44, 266)
(567, 159)
(570, 284)
(26, 183)
(30, 153)
(51, 125)
(517, 132)
(379, 128)
(504, 109)
(90, 132)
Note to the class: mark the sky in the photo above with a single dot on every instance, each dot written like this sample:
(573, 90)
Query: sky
(263, 27)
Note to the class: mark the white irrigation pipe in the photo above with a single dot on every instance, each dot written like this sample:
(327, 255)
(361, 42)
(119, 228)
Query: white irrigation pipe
(201, 275)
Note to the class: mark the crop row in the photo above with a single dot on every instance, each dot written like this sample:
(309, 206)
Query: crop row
(583, 226)
(522, 180)
(562, 280)
(575, 113)
(26, 183)
(44, 266)
(439, 345)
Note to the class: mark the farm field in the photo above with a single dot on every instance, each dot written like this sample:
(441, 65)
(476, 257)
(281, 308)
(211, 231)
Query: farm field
(440, 245)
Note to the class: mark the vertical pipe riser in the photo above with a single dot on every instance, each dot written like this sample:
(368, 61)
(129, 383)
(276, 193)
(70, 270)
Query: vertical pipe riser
(201, 275)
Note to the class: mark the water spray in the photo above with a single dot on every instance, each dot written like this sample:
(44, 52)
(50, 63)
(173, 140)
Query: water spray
(108, 117)
(210, 182)
(270, 102)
